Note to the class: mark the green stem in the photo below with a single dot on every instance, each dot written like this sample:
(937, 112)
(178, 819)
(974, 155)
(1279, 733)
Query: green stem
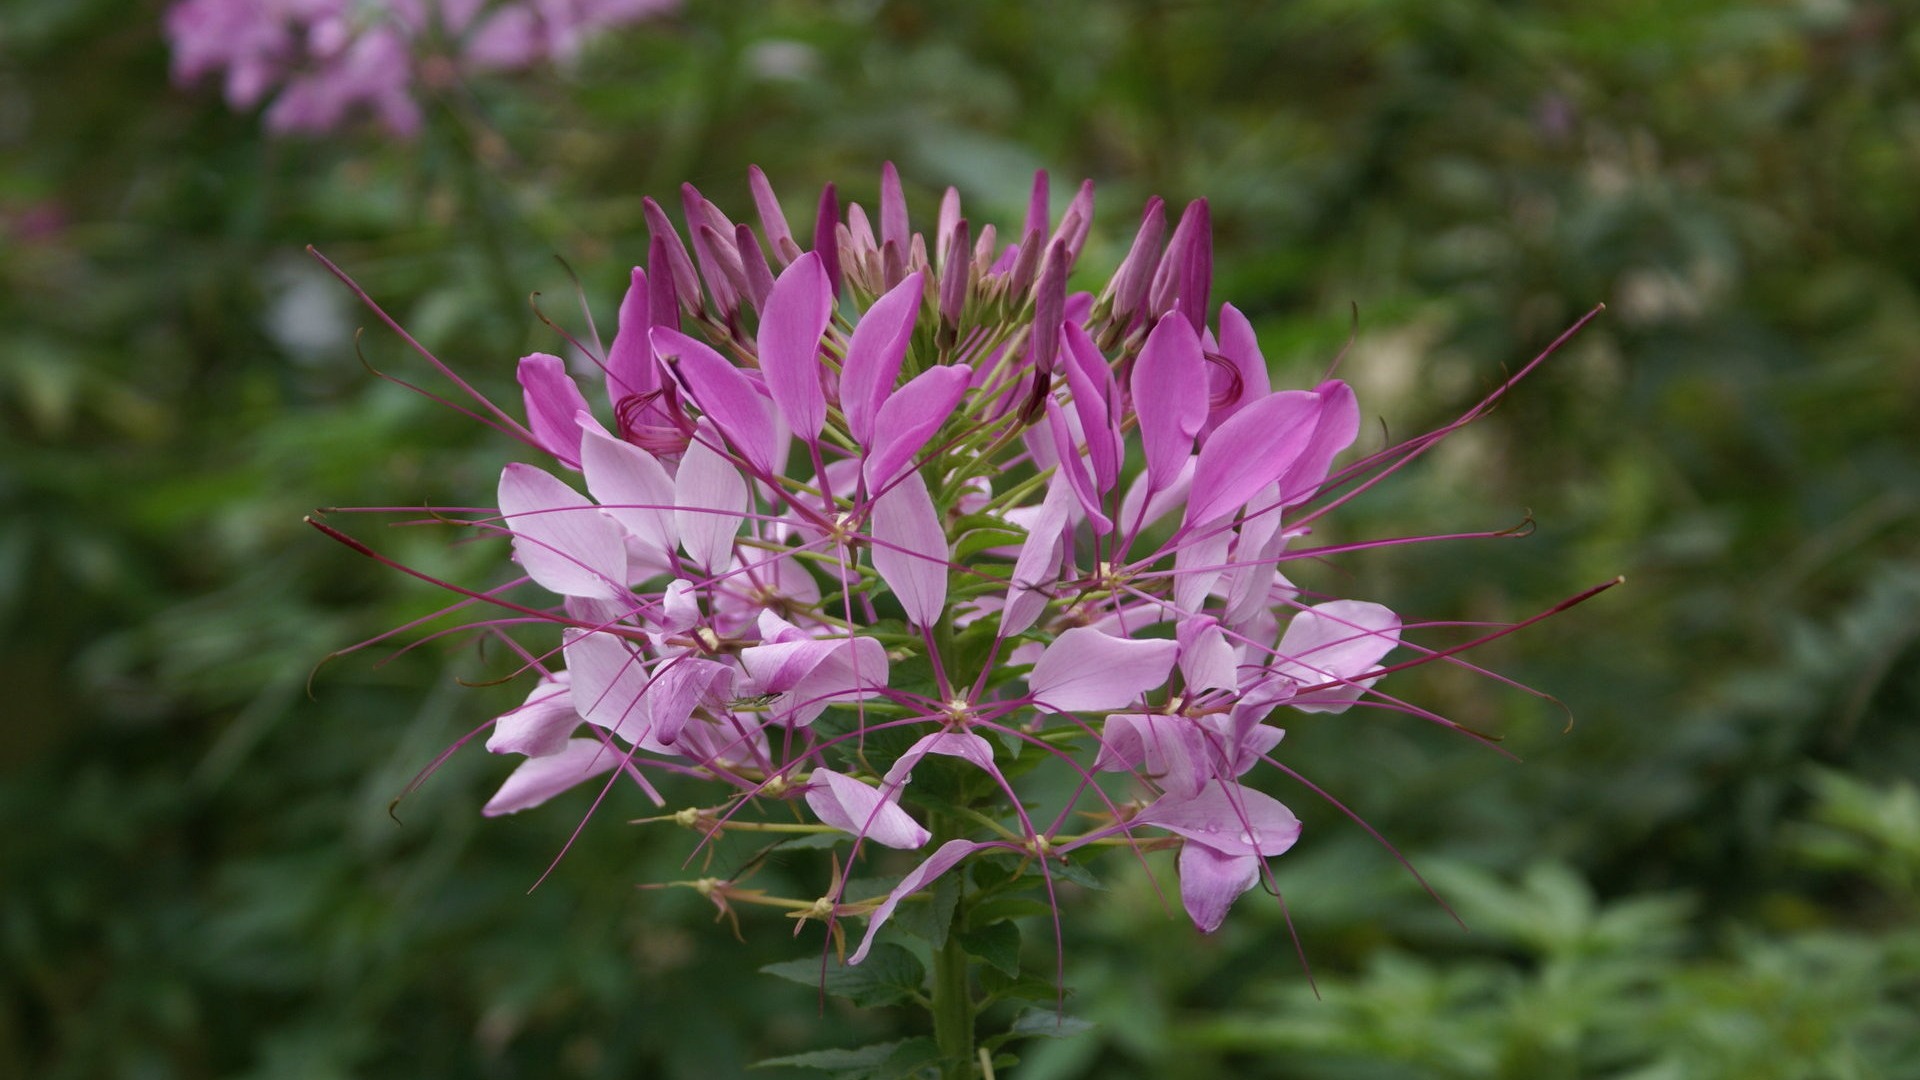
(953, 1007)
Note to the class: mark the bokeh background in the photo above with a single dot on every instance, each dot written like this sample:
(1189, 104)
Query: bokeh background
(1714, 872)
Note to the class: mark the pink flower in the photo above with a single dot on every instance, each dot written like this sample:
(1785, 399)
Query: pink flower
(815, 468)
(336, 60)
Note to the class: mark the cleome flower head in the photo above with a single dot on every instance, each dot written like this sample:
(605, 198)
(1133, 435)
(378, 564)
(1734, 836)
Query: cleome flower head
(837, 507)
(332, 60)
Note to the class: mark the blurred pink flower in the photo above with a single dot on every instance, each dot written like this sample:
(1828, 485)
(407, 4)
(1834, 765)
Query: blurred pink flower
(332, 61)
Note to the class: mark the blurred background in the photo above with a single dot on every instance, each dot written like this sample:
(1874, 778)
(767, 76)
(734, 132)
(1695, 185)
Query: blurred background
(1713, 872)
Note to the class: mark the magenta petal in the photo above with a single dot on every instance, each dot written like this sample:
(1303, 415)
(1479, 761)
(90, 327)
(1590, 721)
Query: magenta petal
(660, 230)
(1227, 817)
(851, 806)
(1338, 641)
(1170, 396)
(910, 549)
(1085, 670)
(1074, 469)
(737, 408)
(630, 365)
(562, 541)
(773, 221)
(875, 352)
(553, 400)
(1095, 402)
(1335, 429)
(541, 726)
(1210, 881)
(910, 417)
(632, 487)
(711, 500)
(796, 316)
(1242, 350)
(541, 778)
(893, 208)
(1253, 449)
(938, 863)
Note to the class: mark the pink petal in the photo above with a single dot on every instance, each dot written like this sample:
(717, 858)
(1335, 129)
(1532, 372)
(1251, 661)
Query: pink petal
(1196, 568)
(1207, 660)
(1253, 449)
(1085, 670)
(553, 400)
(1170, 397)
(851, 806)
(1211, 881)
(711, 499)
(938, 863)
(1228, 818)
(961, 744)
(1338, 641)
(874, 355)
(538, 779)
(737, 408)
(632, 487)
(1038, 564)
(910, 549)
(541, 726)
(610, 686)
(562, 541)
(797, 313)
(910, 417)
(679, 686)
(1169, 750)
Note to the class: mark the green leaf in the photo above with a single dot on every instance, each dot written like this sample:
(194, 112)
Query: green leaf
(880, 1061)
(1022, 988)
(931, 921)
(1049, 1024)
(891, 974)
(996, 943)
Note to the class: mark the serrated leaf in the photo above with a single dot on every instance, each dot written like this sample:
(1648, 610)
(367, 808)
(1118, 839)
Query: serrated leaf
(996, 943)
(891, 974)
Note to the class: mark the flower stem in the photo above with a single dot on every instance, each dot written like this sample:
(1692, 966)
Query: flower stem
(953, 1007)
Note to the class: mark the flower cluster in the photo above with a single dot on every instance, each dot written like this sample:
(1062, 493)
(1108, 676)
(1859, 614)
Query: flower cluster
(333, 59)
(886, 501)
